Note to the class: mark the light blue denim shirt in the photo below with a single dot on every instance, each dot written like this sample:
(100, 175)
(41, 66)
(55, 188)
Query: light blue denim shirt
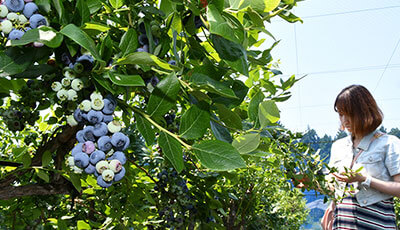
(380, 159)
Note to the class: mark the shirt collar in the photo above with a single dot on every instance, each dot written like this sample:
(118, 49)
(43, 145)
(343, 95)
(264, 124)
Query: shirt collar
(366, 141)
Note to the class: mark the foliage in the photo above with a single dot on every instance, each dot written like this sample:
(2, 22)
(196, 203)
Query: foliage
(206, 150)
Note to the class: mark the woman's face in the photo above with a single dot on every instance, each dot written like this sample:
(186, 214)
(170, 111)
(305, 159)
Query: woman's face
(345, 121)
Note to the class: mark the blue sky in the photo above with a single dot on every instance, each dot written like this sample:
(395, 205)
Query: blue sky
(340, 43)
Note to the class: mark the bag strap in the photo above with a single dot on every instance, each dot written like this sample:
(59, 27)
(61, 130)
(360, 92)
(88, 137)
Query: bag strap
(376, 136)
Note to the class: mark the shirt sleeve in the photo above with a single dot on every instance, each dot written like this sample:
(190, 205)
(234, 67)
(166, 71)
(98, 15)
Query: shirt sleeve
(392, 160)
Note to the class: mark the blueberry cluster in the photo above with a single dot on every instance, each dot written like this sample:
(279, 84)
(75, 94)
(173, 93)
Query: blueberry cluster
(100, 143)
(179, 204)
(25, 109)
(19, 16)
(68, 87)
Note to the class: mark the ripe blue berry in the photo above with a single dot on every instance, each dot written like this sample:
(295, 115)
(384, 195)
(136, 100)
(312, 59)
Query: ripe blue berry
(77, 149)
(94, 116)
(118, 176)
(30, 9)
(108, 118)
(81, 160)
(100, 129)
(118, 156)
(172, 62)
(37, 20)
(88, 133)
(90, 169)
(97, 156)
(15, 5)
(109, 105)
(80, 136)
(78, 115)
(120, 141)
(15, 35)
(104, 143)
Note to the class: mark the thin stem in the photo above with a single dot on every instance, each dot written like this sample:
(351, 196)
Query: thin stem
(144, 170)
(147, 117)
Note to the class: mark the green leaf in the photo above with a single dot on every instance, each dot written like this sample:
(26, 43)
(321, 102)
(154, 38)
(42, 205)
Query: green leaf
(129, 42)
(212, 85)
(218, 155)
(240, 90)
(116, 3)
(268, 113)
(126, 80)
(35, 71)
(261, 6)
(76, 181)
(58, 4)
(230, 118)
(194, 123)
(247, 143)
(61, 224)
(82, 225)
(96, 26)
(7, 85)
(145, 129)
(226, 49)
(83, 10)
(218, 25)
(46, 158)
(164, 96)
(172, 149)
(254, 104)
(44, 34)
(104, 82)
(80, 37)
(220, 132)
(14, 61)
(143, 58)
(43, 175)
(94, 6)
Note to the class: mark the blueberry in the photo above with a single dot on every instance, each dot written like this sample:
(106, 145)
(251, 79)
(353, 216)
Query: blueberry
(15, 5)
(86, 61)
(94, 116)
(30, 9)
(88, 147)
(78, 115)
(88, 133)
(108, 118)
(104, 143)
(119, 156)
(81, 160)
(153, 81)
(37, 20)
(66, 58)
(172, 62)
(120, 175)
(103, 183)
(109, 105)
(15, 35)
(143, 40)
(120, 141)
(80, 136)
(97, 156)
(100, 129)
(90, 169)
(77, 149)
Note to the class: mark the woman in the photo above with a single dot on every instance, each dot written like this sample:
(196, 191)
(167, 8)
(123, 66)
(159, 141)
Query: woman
(370, 206)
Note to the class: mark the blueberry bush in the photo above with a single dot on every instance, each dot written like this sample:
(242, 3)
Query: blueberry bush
(143, 114)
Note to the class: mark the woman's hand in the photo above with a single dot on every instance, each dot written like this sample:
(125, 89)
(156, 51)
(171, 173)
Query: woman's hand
(350, 177)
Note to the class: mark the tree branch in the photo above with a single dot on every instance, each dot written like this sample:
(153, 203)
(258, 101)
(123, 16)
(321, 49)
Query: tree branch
(62, 186)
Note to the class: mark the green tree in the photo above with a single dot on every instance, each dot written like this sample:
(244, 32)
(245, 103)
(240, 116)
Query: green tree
(205, 149)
